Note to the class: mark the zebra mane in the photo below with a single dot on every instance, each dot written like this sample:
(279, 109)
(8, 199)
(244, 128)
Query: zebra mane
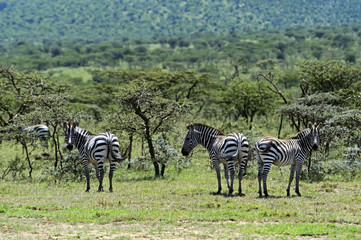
(205, 126)
(83, 131)
(300, 134)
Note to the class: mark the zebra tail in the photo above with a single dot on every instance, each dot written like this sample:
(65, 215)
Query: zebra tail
(242, 149)
(116, 157)
(263, 147)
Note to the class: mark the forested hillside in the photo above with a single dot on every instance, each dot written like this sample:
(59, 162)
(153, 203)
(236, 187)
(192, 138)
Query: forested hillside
(144, 70)
(107, 20)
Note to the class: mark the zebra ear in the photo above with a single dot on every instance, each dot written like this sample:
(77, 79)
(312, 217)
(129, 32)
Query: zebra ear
(75, 124)
(65, 124)
(320, 125)
(310, 125)
(190, 127)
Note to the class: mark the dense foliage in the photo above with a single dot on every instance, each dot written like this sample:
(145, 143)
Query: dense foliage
(108, 20)
(228, 56)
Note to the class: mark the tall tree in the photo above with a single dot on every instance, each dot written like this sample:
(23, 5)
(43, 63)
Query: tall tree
(153, 101)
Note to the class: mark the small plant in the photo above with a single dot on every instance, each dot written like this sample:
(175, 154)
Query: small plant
(15, 167)
(70, 169)
(168, 155)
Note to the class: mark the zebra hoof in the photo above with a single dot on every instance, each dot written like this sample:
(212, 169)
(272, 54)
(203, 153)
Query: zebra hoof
(241, 194)
(299, 194)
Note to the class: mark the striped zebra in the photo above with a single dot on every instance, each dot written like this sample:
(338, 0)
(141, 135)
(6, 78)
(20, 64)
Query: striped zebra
(40, 132)
(282, 152)
(94, 149)
(226, 149)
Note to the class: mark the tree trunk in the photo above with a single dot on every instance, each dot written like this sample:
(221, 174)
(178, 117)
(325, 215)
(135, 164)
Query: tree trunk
(56, 148)
(61, 156)
(151, 151)
(130, 149)
(280, 127)
(28, 159)
(163, 170)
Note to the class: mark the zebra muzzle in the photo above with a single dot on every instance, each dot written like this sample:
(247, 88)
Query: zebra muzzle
(185, 153)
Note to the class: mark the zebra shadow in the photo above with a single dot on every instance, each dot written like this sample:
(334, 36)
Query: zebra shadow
(284, 197)
(272, 197)
(138, 179)
(227, 195)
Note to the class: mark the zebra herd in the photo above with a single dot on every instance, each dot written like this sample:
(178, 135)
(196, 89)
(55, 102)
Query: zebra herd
(229, 150)
(233, 148)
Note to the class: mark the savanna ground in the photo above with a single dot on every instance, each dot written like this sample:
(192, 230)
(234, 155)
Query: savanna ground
(180, 206)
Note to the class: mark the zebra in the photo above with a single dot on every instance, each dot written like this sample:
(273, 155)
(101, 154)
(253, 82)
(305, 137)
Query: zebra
(94, 149)
(282, 152)
(39, 131)
(226, 149)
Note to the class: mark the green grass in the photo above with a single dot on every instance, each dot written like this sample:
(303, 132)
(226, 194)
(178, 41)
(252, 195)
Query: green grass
(81, 73)
(180, 206)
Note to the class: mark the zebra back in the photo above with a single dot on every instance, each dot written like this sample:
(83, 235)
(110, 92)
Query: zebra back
(232, 146)
(286, 151)
(92, 145)
(40, 131)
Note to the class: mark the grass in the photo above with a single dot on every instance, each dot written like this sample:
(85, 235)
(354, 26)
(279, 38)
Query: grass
(180, 206)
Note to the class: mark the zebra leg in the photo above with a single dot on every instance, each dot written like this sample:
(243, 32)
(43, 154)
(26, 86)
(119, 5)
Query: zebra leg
(218, 171)
(101, 174)
(226, 176)
(86, 172)
(298, 173)
(266, 169)
(260, 170)
(96, 171)
(292, 173)
(112, 167)
(230, 165)
(240, 176)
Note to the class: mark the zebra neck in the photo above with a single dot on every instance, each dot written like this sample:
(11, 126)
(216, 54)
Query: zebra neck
(207, 138)
(81, 136)
(305, 139)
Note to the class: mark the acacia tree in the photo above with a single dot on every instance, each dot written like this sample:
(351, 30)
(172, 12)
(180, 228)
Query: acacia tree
(151, 111)
(17, 92)
(29, 99)
(246, 98)
(153, 101)
(19, 95)
(329, 94)
(52, 109)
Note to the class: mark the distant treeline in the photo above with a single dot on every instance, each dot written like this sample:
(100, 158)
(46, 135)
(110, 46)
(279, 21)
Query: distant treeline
(218, 54)
(110, 20)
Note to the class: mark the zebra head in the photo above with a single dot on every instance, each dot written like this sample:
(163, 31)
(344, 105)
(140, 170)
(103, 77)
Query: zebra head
(70, 134)
(315, 135)
(191, 141)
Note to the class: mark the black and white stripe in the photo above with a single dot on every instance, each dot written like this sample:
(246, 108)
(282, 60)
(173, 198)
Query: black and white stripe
(227, 149)
(94, 149)
(39, 131)
(282, 152)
